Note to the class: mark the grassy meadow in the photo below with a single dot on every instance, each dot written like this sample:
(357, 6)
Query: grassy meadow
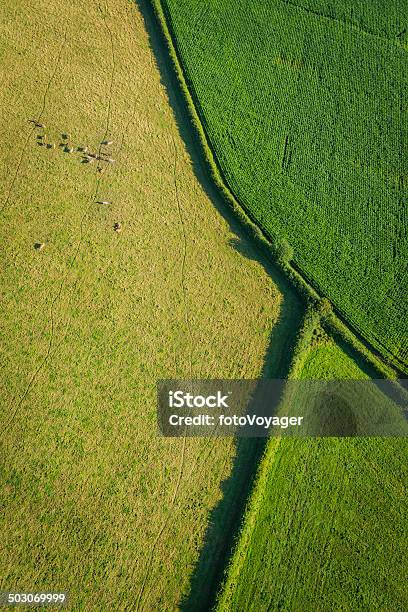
(302, 105)
(118, 273)
(93, 500)
(326, 525)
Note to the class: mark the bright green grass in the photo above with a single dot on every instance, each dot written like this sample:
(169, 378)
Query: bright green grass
(328, 361)
(303, 106)
(326, 527)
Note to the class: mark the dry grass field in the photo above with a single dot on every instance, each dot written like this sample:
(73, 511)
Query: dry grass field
(93, 500)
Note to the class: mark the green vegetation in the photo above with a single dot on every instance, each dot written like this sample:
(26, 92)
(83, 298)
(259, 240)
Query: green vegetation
(301, 104)
(92, 499)
(326, 525)
(117, 274)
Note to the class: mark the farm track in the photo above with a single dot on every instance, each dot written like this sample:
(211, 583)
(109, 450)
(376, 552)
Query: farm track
(32, 130)
(189, 333)
(183, 260)
(360, 30)
(112, 48)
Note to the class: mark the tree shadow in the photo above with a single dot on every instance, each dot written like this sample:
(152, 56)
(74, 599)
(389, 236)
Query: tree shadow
(225, 519)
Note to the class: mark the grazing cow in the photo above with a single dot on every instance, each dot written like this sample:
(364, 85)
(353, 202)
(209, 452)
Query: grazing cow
(36, 123)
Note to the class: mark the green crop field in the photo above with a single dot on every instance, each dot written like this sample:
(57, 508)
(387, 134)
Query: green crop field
(122, 264)
(304, 106)
(93, 500)
(326, 528)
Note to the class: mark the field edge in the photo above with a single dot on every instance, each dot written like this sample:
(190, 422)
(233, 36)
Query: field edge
(389, 366)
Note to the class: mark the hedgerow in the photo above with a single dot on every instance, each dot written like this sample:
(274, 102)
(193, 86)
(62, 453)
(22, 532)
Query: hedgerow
(304, 132)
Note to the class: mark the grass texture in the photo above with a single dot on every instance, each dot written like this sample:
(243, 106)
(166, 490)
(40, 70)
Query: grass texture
(302, 106)
(326, 525)
(93, 500)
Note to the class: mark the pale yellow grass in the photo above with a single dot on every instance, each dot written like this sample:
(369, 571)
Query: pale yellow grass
(93, 500)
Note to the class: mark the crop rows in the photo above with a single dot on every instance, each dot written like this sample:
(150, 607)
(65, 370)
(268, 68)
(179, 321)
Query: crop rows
(325, 528)
(303, 107)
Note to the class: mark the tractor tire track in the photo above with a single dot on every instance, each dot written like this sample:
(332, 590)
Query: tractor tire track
(189, 333)
(51, 322)
(57, 298)
(31, 132)
(365, 31)
(109, 106)
(183, 261)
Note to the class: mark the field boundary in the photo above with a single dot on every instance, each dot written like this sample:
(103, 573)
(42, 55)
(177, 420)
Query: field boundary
(247, 525)
(249, 516)
(333, 321)
(255, 500)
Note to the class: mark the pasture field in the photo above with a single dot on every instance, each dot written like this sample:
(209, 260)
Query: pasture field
(326, 527)
(93, 500)
(303, 105)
